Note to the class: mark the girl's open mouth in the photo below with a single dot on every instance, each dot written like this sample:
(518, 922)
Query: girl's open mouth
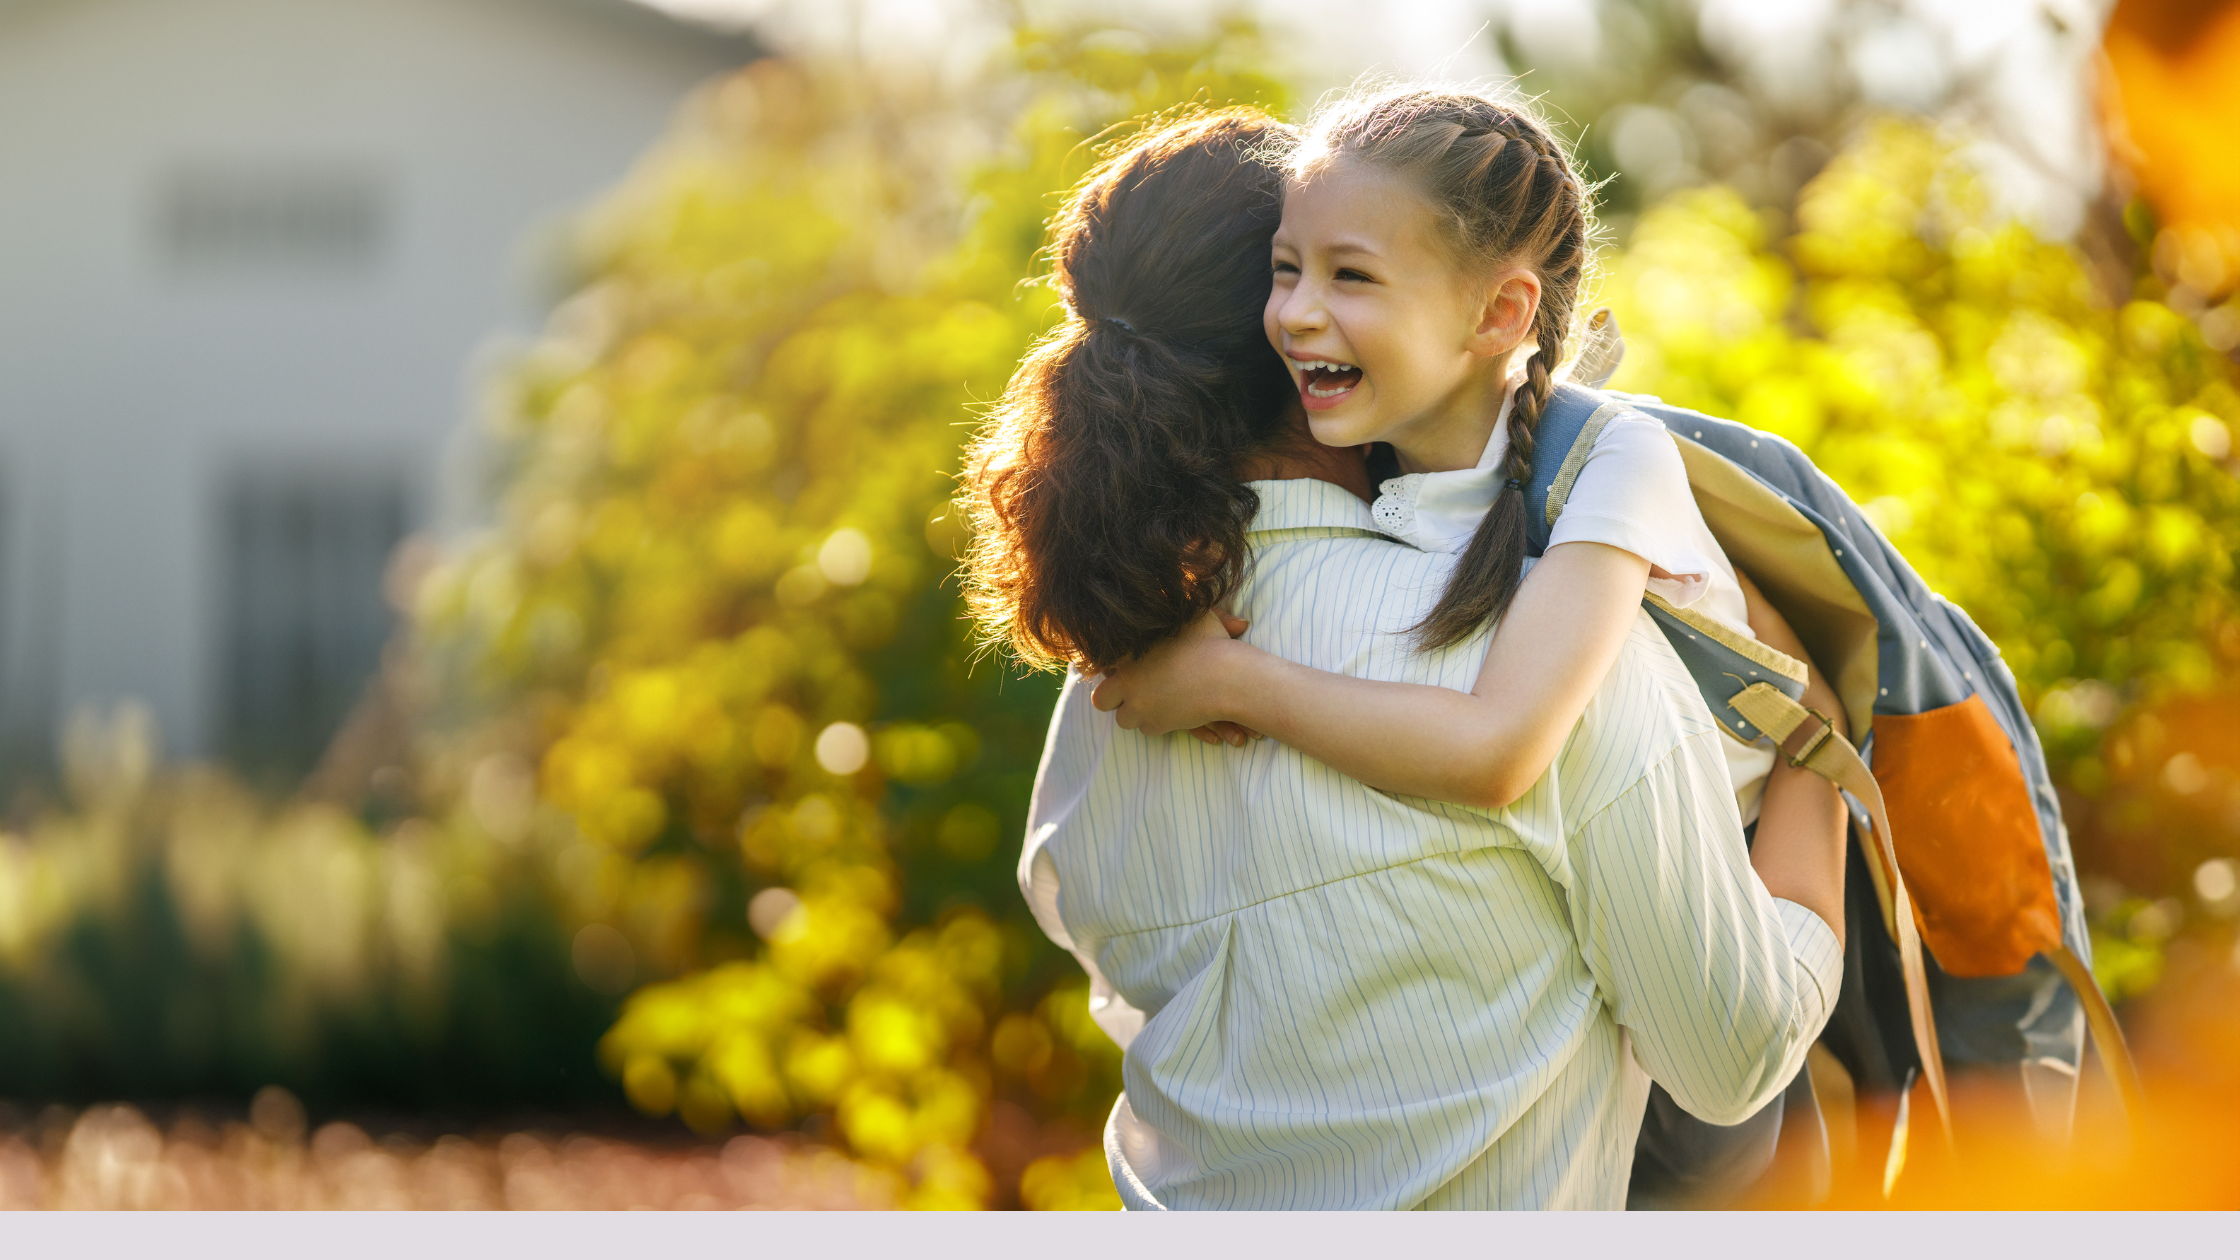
(1322, 383)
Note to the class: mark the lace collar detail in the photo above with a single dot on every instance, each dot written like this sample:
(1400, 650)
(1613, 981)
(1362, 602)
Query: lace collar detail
(1439, 511)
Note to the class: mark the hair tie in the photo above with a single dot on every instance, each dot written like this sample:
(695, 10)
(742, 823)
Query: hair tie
(1124, 324)
(1514, 484)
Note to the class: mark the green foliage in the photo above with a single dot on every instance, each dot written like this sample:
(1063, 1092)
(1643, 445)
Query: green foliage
(715, 607)
(1945, 366)
(170, 935)
(2062, 470)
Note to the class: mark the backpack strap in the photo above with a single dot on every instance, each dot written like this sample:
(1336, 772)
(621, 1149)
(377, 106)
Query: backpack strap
(1832, 757)
(1723, 663)
(1748, 692)
(1571, 422)
(1567, 473)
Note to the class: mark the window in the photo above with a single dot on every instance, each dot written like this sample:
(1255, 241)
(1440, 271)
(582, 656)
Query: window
(273, 218)
(305, 618)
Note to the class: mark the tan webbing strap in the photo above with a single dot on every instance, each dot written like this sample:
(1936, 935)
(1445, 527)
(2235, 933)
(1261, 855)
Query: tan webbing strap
(1742, 645)
(2115, 1052)
(1832, 757)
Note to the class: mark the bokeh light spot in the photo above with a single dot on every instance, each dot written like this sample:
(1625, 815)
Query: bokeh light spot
(769, 911)
(604, 959)
(2217, 883)
(845, 558)
(843, 748)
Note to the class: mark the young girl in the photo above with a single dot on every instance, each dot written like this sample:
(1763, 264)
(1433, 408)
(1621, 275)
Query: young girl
(1428, 263)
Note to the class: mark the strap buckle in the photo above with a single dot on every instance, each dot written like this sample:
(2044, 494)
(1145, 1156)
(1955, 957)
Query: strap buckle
(1812, 745)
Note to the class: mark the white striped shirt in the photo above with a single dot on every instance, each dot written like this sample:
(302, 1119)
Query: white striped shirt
(1332, 997)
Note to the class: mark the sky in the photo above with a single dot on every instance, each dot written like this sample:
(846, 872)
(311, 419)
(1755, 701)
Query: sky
(2035, 99)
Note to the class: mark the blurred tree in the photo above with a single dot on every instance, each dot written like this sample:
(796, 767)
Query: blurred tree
(1663, 95)
(715, 607)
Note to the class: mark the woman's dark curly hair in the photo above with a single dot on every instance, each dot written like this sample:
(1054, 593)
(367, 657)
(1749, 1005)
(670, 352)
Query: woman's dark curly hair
(1103, 490)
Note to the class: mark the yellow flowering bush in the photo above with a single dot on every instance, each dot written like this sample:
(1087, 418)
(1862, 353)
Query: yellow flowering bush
(715, 609)
(2060, 465)
(1946, 366)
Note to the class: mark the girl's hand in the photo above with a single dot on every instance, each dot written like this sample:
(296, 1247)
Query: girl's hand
(1223, 733)
(1177, 685)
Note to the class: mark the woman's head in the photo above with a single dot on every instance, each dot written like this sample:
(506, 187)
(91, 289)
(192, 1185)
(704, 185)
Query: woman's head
(1103, 490)
(1430, 238)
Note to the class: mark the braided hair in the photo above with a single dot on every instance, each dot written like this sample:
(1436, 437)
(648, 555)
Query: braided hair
(1506, 195)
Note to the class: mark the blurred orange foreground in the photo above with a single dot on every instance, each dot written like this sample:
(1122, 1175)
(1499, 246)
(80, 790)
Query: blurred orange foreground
(2183, 1154)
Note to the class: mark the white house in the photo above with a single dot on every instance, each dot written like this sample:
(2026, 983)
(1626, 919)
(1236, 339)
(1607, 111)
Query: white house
(248, 249)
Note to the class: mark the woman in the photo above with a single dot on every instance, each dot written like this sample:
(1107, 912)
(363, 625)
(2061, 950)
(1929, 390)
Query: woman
(1109, 489)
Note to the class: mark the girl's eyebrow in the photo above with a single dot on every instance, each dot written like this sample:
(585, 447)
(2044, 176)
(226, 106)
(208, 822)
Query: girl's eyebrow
(1343, 245)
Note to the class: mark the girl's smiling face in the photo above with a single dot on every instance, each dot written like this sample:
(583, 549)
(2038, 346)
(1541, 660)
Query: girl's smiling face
(1388, 338)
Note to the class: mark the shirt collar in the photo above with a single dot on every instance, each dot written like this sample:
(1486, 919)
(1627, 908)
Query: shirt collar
(1429, 511)
(1439, 511)
(1306, 503)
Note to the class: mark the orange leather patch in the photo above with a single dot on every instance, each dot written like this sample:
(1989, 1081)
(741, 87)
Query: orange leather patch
(1967, 838)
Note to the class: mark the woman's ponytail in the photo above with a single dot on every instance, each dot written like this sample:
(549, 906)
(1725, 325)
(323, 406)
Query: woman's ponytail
(1103, 489)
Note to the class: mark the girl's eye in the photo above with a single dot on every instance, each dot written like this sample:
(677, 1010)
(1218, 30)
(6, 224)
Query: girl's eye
(1286, 269)
(1348, 273)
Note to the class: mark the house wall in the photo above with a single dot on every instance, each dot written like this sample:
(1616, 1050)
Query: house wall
(155, 351)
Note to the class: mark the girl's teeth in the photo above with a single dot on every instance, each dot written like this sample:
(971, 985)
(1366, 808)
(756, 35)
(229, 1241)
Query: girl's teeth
(1310, 369)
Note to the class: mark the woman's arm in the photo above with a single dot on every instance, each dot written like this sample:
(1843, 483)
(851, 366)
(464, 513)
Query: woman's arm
(1485, 748)
(1799, 850)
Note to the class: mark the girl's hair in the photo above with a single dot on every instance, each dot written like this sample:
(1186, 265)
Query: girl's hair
(1506, 195)
(1103, 490)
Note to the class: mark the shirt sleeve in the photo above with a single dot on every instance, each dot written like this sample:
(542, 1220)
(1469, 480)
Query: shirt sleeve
(1723, 986)
(1632, 493)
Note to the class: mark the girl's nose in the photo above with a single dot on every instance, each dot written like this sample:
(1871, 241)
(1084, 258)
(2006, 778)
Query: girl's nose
(1301, 311)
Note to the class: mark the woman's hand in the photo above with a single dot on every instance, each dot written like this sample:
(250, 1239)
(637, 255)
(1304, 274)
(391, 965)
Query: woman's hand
(1179, 684)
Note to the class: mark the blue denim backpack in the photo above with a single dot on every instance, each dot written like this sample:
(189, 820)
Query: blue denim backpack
(1972, 944)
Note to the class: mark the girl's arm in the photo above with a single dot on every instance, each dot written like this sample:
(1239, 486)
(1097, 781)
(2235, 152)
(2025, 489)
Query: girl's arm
(1485, 748)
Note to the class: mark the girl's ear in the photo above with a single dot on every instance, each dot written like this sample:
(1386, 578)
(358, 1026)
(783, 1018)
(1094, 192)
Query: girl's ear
(1512, 299)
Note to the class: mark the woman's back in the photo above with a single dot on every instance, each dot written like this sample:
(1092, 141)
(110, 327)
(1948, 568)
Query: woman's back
(1361, 1001)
